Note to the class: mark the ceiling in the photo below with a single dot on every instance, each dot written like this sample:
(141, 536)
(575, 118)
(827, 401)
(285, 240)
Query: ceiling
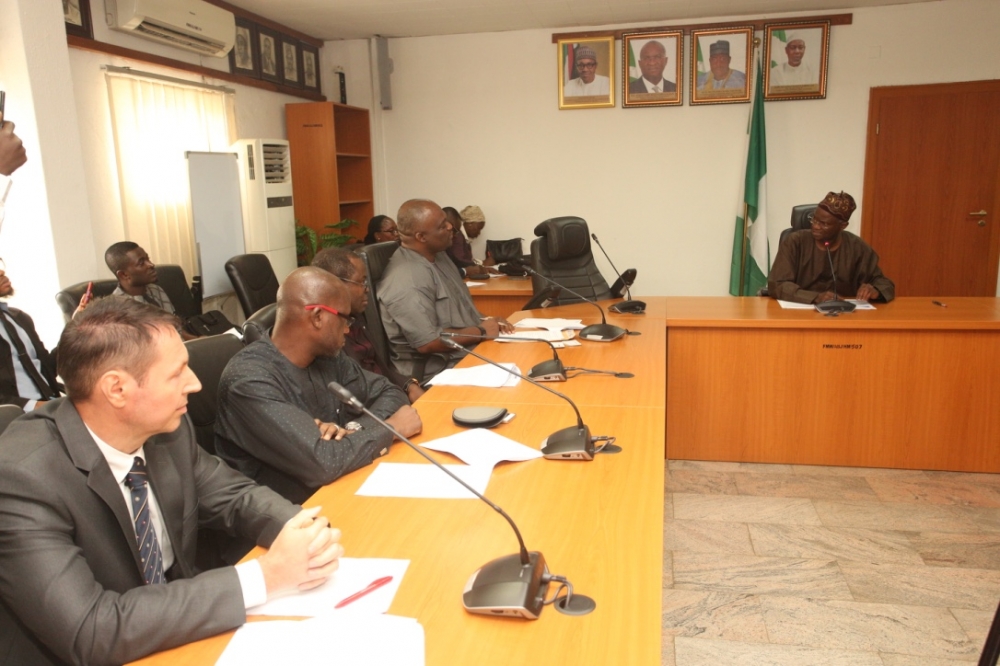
(353, 19)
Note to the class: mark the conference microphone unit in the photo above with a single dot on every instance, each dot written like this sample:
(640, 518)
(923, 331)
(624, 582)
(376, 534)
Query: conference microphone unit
(624, 280)
(509, 586)
(572, 443)
(836, 306)
(603, 332)
(551, 370)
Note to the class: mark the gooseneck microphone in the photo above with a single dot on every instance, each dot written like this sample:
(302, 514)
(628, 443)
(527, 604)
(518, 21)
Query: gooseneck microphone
(837, 305)
(513, 585)
(546, 371)
(572, 443)
(627, 306)
(603, 332)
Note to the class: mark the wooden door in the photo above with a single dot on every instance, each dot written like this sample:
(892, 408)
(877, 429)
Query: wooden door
(932, 187)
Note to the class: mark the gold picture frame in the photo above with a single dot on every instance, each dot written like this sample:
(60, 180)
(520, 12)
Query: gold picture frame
(721, 64)
(652, 55)
(798, 58)
(575, 92)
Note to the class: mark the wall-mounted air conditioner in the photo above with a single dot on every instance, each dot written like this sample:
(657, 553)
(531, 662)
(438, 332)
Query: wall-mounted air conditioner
(268, 214)
(192, 25)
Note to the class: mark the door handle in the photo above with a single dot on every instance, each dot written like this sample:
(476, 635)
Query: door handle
(978, 213)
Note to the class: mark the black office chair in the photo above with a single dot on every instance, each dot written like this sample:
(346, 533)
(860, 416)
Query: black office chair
(254, 281)
(7, 415)
(69, 298)
(376, 258)
(207, 358)
(562, 253)
(172, 280)
(260, 323)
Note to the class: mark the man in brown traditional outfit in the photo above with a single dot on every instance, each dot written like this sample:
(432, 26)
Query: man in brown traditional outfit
(801, 271)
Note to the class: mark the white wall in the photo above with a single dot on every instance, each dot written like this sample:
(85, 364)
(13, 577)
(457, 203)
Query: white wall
(475, 120)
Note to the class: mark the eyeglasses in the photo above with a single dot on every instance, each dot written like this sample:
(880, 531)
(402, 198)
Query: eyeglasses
(360, 284)
(346, 318)
(825, 225)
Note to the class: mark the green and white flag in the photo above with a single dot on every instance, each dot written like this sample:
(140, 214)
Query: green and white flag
(751, 254)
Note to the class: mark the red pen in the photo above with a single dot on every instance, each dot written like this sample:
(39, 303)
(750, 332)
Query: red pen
(374, 585)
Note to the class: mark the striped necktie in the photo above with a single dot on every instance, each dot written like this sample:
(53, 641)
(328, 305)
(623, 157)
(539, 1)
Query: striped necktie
(149, 545)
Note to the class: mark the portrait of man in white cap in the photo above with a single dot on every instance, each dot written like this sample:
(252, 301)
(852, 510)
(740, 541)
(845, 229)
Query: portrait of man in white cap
(796, 70)
(587, 82)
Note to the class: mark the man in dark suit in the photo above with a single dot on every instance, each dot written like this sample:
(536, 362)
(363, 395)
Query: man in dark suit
(27, 369)
(652, 62)
(96, 564)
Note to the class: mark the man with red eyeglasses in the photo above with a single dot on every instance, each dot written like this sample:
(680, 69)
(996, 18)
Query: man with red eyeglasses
(278, 423)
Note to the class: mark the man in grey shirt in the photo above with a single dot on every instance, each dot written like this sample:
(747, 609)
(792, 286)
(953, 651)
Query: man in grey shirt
(278, 422)
(421, 295)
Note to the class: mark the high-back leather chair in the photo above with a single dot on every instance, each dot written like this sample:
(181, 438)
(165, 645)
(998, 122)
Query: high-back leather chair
(562, 253)
(376, 258)
(207, 358)
(172, 280)
(69, 298)
(259, 323)
(254, 281)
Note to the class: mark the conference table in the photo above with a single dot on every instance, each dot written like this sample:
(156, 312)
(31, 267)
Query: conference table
(910, 384)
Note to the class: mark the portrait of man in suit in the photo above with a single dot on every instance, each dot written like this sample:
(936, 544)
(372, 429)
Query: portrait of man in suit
(103, 495)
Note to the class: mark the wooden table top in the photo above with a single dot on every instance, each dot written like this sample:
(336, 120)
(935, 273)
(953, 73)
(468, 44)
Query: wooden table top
(599, 523)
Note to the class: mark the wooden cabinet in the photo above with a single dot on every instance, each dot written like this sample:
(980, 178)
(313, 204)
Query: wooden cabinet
(331, 164)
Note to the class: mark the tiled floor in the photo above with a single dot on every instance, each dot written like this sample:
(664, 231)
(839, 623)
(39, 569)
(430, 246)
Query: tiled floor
(785, 565)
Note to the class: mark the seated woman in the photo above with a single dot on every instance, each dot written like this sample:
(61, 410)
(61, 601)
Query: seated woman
(381, 228)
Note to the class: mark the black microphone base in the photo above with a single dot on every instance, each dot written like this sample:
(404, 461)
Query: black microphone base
(601, 332)
(505, 587)
(573, 443)
(548, 371)
(835, 306)
(629, 307)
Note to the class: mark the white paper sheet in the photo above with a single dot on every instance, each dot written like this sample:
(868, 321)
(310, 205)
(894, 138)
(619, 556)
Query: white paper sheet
(554, 324)
(353, 575)
(424, 481)
(485, 375)
(351, 639)
(482, 447)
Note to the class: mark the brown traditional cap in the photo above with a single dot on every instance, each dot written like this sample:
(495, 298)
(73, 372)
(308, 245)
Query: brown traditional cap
(719, 47)
(841, 206)
(472, 214)
(585, 52)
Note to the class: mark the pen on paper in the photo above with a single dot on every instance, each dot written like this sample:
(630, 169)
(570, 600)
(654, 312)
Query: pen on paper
(939, 304)
(374, 585)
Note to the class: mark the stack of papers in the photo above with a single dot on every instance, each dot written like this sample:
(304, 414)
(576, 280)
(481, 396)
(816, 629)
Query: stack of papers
(482, 449)
(485, 375)
(353, 639)
(554, 324)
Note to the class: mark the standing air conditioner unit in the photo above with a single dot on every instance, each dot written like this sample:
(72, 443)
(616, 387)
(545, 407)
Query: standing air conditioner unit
(268, 215)
(192, 25)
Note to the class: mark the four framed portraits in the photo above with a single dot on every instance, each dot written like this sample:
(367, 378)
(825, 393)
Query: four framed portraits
(586, 73)
(797, 56)
(720, 65)
(651, 69)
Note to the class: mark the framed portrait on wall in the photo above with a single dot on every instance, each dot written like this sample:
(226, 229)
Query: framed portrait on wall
(244, 58)
(270, 61)
(310, 67)
(797, 57)
(291, 70)
(651, 69)
(586, 73)
(76, 14)
(720, 65)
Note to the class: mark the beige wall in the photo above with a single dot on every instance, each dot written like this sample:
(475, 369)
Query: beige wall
(475, 120)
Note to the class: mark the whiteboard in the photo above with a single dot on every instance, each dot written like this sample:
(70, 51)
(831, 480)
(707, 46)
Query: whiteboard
(217, 209)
